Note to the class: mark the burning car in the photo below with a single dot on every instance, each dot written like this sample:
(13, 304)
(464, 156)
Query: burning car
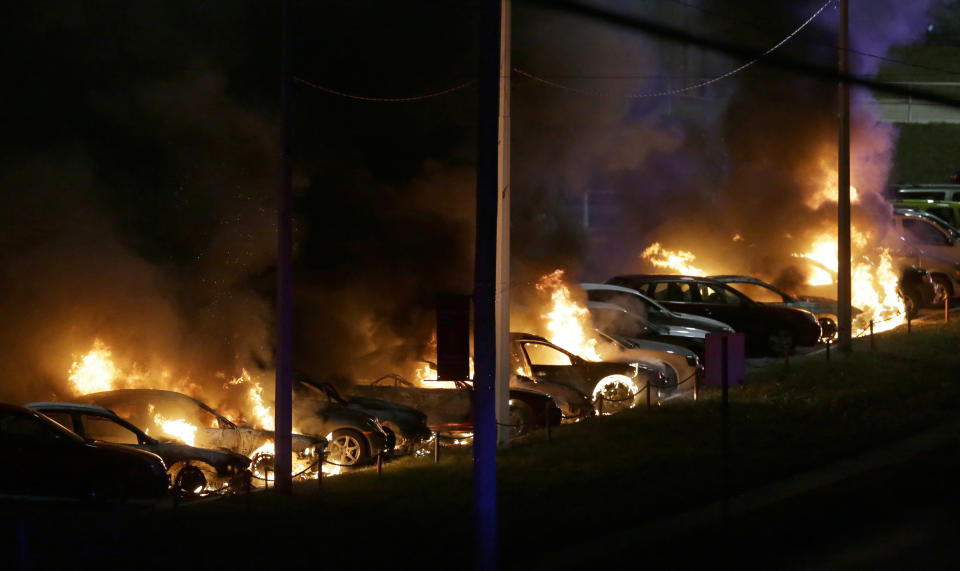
(450, 410)
(769, 329)
(404, 425)
(194, 423)
(617, 383)
(192, 470)
(53, 461)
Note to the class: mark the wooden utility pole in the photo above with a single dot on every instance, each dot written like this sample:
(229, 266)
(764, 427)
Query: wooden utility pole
(485, 290)
(283, 395)
(843, 190)
(504, 369)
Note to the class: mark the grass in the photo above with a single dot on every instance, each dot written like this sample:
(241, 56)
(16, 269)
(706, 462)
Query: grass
(609, 474)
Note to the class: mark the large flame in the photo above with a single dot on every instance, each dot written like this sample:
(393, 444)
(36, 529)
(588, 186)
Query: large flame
(94, 371)
(678, 261)
(568, 322)
(178, 428)
(263, 414)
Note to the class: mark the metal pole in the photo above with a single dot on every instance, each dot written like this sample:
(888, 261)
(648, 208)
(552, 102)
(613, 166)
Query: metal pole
(872, 345)
(725, 431)
(436, 448)
(843, 196)
(283, 395)
(379, 463)
(485, 290)
(946, 308)
(909, 327)
(504, 370)
(696, 387)
(600, 405)
(828, 349)
(648, 395)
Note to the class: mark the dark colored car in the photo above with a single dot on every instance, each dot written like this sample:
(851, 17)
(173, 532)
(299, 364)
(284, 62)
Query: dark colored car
(760, 291)
(192, 470)
(616, 382)
(141, 407)
(769, 329)
(372, 427)
(450, 410)
(42, 458)
(918, 289)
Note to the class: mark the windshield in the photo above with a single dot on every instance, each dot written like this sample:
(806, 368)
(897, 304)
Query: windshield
(759, 292)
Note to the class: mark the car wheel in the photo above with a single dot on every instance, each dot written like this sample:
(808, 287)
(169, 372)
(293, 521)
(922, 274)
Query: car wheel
(521, 418)
(189, 481)
(347, 447)
(911, 302)
(943, 287)
(780, 342)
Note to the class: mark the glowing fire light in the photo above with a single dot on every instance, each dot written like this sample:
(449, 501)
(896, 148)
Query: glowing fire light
(678, 261)
(567, 321)
(178, 428)
(95, 371)
(262, 412)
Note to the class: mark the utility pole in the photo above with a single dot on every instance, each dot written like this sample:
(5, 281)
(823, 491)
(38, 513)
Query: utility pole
(843, 190)
(283, 395)
(485, 290)
(504, 370)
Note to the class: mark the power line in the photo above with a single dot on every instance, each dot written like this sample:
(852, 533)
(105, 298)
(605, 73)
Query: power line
(386, 99)
(688, 87)
(760, 27)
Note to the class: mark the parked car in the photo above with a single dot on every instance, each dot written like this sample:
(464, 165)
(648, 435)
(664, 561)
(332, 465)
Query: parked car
(43, 458)
(760, 291)
(150, 407)
(922, 239)
(192, 470)
(917, 289)
(949, 212)
(404, 429)
(450, 410)
(679, 363)
(677, 324)
(769, 329)
(947, 192)
(616, 382)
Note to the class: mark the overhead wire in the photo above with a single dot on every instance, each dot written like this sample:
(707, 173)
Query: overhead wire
(422, 97)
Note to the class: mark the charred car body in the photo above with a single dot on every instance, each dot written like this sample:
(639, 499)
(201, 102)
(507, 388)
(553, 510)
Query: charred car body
(405, 426)
(550, 365)
(53, 461)
(192, 470)
(147, 408)
(450, 410)
(769, 329)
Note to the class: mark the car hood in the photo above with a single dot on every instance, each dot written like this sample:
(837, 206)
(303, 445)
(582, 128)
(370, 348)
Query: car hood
(217, 458)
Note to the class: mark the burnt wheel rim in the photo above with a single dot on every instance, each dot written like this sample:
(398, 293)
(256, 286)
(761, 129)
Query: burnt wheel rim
(345, 449)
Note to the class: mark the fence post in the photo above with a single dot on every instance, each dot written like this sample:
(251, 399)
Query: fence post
(600, 406)
(436, 448)
(946, 308)
(546, 417)
(648, 395)
(828, 349)
(909, 328)
(696, 387)
(379, 463)
(872, 346)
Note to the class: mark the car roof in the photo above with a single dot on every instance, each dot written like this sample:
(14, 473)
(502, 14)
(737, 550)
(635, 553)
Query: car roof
(609, 287)
(71, 406)
(662, 277)
(518, 336)
(605, 305)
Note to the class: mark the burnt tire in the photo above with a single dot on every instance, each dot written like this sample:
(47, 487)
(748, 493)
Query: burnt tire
(189, 481)
(911, 301)
(348, 447)
(943, 287)
(521, 418)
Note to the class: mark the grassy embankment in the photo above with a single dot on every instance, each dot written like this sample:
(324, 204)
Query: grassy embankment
(608, 474)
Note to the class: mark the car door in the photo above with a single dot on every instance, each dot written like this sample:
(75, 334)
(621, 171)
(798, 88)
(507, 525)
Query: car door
(547, 363)
(44, 461)
(718, 302)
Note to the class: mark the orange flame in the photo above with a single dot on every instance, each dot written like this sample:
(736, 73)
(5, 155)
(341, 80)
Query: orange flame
(568, 322)
(678, 261)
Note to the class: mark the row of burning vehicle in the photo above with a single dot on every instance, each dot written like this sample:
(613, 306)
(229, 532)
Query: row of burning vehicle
(637, 342)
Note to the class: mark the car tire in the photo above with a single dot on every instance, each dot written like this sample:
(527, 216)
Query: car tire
(943, 288)
(521, 418)
(189, 480)
(348, 448)
(911, 302)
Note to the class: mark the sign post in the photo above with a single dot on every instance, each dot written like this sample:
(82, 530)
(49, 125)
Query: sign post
(725, 368)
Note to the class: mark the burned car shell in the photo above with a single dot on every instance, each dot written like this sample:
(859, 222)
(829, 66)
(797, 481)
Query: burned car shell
(213, 429)
(408, 425)
(565, 368)
(219, 467)
(450, 410)
(53, 461)
(344, 425)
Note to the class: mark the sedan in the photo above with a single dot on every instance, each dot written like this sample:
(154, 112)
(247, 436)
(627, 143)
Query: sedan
(192, 470)
(53, 461)
(769, 329)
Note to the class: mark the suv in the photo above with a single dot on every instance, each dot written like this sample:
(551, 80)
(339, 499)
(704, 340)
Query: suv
(922, 239)
(938, 192)
(949, 212)
(769, 329)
